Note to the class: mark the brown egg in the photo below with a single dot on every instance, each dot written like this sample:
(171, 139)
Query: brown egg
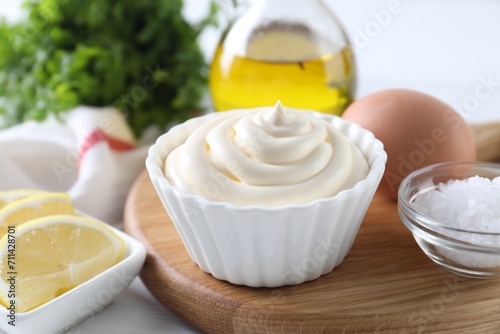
(417, 130)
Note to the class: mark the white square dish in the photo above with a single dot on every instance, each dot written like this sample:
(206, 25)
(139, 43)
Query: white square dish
(83, 301)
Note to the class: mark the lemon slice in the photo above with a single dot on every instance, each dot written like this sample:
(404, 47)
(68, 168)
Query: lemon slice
(9, 196)
(32, 207)
(52, 255)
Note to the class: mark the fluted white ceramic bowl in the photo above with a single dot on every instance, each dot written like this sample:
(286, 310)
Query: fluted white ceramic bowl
(262, 246)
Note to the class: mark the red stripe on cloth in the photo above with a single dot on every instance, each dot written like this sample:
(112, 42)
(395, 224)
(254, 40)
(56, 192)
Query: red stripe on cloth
(98, 136)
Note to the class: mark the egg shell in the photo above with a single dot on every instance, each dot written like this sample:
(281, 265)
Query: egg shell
(416, 129)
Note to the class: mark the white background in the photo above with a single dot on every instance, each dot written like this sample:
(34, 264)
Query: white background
(446, 48)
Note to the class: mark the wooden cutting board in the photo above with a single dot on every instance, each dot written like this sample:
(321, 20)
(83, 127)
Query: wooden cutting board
(385, 285)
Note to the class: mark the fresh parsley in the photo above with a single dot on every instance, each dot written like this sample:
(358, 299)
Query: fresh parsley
(140, 56)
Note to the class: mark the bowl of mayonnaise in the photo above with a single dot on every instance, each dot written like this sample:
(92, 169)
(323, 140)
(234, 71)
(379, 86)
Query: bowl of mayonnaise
(266, 197)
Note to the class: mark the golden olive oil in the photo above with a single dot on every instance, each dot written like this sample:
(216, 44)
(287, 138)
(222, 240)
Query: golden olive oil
(285, 66)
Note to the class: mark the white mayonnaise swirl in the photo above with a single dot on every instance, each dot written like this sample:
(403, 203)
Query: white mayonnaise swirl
(267, 156)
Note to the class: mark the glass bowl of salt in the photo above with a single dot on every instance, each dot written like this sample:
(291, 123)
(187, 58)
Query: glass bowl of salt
(453, 212)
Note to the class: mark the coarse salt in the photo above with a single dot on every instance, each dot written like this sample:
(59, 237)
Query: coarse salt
(471, 204)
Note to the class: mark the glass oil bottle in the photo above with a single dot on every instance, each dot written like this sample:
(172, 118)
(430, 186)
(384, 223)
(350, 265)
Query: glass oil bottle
(294, 51)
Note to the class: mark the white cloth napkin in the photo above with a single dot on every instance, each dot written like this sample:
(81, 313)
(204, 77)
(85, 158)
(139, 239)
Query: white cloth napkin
(91, 154)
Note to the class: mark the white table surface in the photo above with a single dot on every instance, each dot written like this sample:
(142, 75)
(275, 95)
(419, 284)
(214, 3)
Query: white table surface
(446, 48)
